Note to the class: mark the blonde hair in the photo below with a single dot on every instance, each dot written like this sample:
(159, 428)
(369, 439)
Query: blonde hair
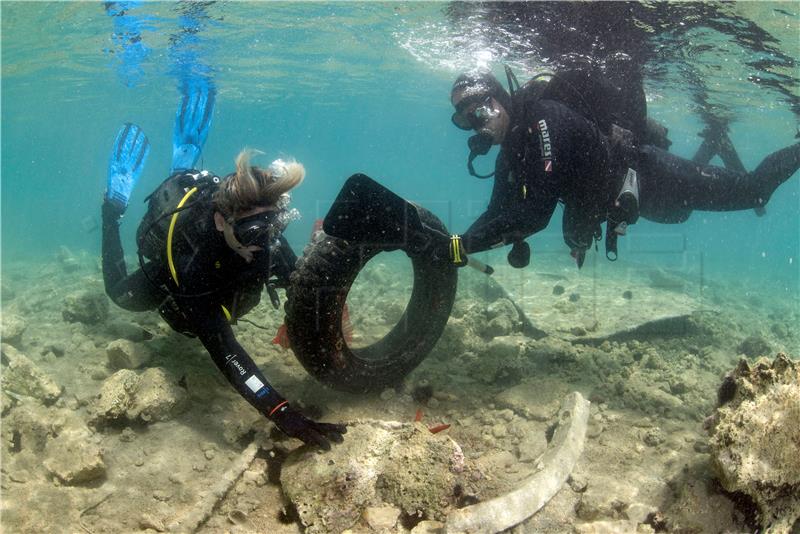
(252, 186)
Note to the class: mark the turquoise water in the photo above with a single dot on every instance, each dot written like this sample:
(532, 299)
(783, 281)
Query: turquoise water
(361, 87)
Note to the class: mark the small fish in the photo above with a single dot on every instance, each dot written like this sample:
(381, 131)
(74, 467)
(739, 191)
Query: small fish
(282, 337)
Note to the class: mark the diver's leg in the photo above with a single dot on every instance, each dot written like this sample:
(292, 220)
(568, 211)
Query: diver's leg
(776, 169)
(660, 187)
(113, 256)
(133, 292)
(711, 188)
(128, 156)
(717, 143)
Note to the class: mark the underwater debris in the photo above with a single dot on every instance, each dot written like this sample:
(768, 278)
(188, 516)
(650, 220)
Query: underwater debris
(199, 513)
(504, 512)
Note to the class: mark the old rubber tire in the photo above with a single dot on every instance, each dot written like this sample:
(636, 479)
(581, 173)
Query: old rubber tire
(315, 300)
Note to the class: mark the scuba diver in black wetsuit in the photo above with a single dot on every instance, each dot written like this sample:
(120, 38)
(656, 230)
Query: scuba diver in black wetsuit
(213, 245)
(581, 140)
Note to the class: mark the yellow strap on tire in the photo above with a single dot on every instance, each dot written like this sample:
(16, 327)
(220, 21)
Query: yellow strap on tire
(455, 248)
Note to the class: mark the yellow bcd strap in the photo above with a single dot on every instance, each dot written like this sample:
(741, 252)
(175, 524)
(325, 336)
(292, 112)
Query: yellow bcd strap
(172, 222)
(226, 312)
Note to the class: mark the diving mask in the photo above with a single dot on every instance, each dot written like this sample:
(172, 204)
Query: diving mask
(472, 119)
(257, 229)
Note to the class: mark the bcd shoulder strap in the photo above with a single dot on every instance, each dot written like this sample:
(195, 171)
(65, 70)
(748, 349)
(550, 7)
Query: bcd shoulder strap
(179, 192)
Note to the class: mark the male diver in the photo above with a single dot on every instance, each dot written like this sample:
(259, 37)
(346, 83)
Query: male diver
(580, 140)
(207, 247)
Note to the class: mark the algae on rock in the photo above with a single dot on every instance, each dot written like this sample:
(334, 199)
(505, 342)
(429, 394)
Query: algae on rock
(755, 435)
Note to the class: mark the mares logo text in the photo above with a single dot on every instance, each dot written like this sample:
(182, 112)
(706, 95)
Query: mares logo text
(546, 147)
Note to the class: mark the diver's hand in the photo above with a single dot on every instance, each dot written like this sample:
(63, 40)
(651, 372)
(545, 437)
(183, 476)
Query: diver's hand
(294, 424)
(451, 250)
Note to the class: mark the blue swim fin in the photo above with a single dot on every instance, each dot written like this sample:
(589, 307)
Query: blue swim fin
(128, 157)
(192, 122)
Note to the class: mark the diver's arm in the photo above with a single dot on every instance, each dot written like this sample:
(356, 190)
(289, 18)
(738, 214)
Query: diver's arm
(495, 229)
(217, 337)
(512, 214)
(229, 356)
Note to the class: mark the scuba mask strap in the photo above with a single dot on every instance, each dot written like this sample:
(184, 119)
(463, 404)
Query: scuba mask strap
(479, 145)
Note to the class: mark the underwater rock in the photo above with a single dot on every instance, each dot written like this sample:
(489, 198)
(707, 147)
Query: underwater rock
(85, 307)
(381, 517)
(13, 328)
(115, 396)
(605, 498)
(67, 260)
(152, 396)
(458, 337)
(128, 330)
(428, 527)
(124, 354)
(760, 400)
(380, 464)
(499, 326)
(28, 427)
(530, 400)
(158, 397)
(505, 347)
(20, 376)
(622, 526)
(507, 363)
(502, 308)
(754, 346)
(73, 459)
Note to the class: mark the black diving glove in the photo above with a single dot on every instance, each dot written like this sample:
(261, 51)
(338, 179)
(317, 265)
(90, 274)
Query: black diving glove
(294, 424)
(451, 250)
(520, 255)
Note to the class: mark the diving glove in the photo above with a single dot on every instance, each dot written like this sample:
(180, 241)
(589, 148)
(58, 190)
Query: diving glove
(520, 255)
(294, 424)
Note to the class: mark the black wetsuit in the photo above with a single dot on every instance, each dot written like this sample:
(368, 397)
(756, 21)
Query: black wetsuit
(210, 275)
(559, 148)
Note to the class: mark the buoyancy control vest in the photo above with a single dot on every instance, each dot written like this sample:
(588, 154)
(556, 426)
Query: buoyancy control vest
(180, 192)
(594, 98)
